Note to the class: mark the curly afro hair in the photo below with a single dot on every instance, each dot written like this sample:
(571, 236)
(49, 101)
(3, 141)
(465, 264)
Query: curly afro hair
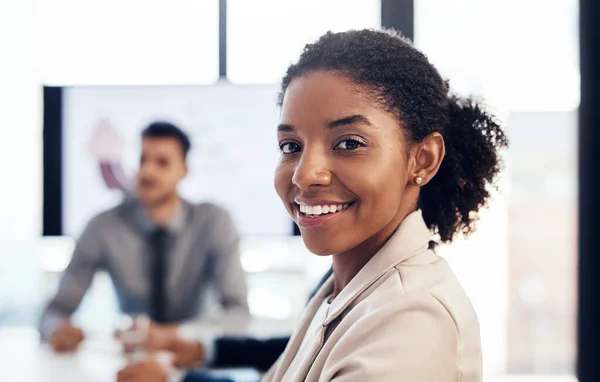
(404, 83)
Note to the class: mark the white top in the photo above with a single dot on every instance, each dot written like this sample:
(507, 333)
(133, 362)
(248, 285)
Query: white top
(403, 317)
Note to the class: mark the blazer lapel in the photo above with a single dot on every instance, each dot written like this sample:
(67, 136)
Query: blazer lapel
(410, 239)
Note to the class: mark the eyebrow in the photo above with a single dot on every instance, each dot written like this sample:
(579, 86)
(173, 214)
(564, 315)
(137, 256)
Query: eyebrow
(352, 119)
(357, 118)
(285, 128)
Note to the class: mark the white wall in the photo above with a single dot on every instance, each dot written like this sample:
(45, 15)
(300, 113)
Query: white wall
(20, 144)
(20, 124)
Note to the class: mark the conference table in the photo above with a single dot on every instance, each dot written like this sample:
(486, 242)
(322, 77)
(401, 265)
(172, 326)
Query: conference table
(24, 359)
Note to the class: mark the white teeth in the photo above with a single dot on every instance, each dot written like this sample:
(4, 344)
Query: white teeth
(321, 210)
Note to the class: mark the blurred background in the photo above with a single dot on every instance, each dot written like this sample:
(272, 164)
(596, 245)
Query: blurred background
(82, 68)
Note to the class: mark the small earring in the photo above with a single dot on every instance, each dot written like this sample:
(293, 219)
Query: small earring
(418, 180)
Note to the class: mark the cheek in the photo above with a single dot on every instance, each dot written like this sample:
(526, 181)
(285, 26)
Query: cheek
(172, 175)
(283, 180)
(162, 180)
(385, 195)
(379, 186)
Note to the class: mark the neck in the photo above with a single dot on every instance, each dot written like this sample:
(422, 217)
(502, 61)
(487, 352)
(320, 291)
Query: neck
(161, 213)
(347, 264)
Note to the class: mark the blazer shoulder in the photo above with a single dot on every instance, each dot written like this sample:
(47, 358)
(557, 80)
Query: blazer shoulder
(388, 301)
(107, 218)
(209, 210)
(395, 336)
(391, 302)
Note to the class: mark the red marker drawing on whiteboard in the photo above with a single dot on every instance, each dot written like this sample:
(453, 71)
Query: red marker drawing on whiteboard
(107, 146)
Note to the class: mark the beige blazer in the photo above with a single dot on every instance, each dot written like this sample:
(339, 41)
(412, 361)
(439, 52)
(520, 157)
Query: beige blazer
(404, 317)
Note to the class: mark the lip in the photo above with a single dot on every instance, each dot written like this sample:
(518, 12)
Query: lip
(318, 202)
(319, 221)
(146, 183)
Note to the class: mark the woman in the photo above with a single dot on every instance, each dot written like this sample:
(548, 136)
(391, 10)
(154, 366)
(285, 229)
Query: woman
(376, 158)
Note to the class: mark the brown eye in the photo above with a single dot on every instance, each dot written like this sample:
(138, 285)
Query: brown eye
(348, 144)
(289, 148)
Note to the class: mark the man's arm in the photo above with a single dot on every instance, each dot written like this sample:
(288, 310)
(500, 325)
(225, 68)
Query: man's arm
(199, 376)
(255, 353)
(230, 279)
(75, 280)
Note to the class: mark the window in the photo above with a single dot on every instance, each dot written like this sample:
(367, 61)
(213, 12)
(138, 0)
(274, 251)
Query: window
(522, 57)
(265, 36)
(134, 42)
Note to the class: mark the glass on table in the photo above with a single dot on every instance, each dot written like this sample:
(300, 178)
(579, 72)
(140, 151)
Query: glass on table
(133, 331)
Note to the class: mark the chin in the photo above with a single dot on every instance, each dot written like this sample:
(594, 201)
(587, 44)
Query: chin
(144, 199)
(149, 200)
(320, 247)
(327, 242)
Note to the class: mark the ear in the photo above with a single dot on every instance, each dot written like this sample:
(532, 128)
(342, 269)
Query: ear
(428, 155)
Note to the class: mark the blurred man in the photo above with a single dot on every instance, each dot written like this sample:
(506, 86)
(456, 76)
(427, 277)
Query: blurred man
(162, 253)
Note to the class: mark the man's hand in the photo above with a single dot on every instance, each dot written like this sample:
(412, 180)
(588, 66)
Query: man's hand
(149, 370)
(160, 336)
(66, 337)
(186, 353)
(155, 336)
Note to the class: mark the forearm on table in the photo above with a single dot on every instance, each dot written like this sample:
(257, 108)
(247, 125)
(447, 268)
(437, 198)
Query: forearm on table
(240, 351)
(50, 321)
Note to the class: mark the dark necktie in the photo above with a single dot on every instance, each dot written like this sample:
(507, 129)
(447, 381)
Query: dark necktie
(158, 274)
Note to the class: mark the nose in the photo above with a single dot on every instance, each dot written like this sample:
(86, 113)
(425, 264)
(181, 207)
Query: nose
(311, 171)
(146, 169)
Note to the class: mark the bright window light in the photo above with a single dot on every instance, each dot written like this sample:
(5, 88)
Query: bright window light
(265, 36)
(133, 42)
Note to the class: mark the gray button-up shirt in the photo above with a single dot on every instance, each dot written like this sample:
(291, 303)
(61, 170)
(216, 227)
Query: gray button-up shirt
(203, 255)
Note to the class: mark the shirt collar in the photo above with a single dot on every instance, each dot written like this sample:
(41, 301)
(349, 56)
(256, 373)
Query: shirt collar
(174, 226)
(411, 238)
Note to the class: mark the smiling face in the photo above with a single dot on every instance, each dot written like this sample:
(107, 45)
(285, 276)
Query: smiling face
(344, 164)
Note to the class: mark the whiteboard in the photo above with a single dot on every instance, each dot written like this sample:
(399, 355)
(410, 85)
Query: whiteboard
(233, 157)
